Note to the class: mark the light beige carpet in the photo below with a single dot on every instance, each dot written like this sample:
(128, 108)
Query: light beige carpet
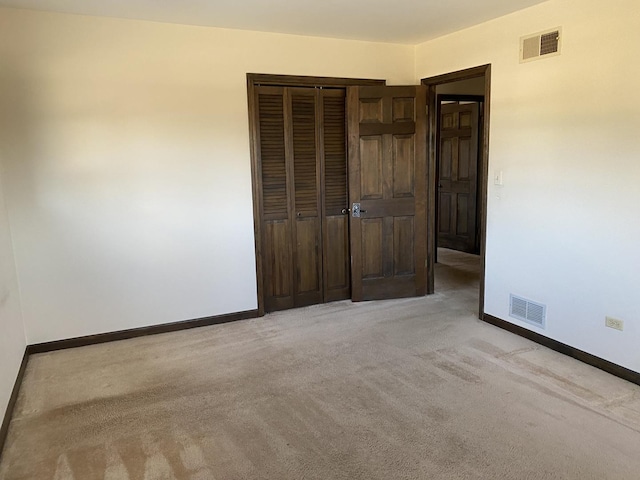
(406, 389)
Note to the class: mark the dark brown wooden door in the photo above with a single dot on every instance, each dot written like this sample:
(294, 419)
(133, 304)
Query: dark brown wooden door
(304, 174)
(335, 226)
(458, 176)
(387, 178)
(302, 147)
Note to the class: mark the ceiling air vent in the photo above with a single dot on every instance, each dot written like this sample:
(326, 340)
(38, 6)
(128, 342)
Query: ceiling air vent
(528, 311)
(539, 45)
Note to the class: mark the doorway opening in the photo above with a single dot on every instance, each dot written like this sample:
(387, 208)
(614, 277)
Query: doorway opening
(458, 173)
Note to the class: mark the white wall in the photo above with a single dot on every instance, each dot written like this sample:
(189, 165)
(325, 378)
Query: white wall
(564, 228)
(127, 157)
(12, 337)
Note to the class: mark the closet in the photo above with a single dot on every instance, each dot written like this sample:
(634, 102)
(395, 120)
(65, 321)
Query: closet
(339, 171)
(300, 145)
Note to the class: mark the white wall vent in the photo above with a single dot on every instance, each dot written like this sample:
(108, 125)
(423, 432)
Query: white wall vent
(539, 45)
(528, 311)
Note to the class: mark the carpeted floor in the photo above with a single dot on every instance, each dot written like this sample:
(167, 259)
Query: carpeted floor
(404, 389)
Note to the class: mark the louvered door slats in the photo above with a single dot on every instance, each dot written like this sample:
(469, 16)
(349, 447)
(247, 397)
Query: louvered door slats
(272, 153)
(337, 280)
(304, 154)
(335, 165)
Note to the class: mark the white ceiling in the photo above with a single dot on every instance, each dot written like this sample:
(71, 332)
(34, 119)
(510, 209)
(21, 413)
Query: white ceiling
(395, 21)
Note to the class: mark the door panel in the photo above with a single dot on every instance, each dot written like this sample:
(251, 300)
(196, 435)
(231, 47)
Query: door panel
(278, 252)
(307, 242)
(403, 109)
(444, 213)
(272, 152)
(336, 239)
(332, 115)
(463, 206)
(301, 140)
(371, 178)
(290, 205)
(458, 170)
(303, 125)
(372, 244)
(403, 166)
(387, 177)
(370, 110)
(309, 275)
(403, 235)
(278, 265)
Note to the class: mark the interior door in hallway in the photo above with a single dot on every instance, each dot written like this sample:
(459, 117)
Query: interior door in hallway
(388, 191)
(458, 176)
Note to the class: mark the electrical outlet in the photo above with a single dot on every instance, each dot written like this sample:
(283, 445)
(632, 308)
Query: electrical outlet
(614, 323)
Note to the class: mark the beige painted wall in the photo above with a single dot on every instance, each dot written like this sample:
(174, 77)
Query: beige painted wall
(12, 337)
(128, 167)
(564, 229)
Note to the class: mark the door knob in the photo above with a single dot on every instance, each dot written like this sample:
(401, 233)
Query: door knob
(356, 210)
(344, 211)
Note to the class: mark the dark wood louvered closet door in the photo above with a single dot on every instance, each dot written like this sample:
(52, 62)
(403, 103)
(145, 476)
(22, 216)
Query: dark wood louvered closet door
(337, 275)
(303, 164)
(278, 260)
(307, 238)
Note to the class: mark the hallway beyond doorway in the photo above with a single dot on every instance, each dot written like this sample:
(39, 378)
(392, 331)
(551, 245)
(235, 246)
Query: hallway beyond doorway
(457, 271)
